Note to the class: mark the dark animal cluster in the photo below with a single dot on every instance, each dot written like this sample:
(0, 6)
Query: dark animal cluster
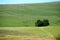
(42, 23)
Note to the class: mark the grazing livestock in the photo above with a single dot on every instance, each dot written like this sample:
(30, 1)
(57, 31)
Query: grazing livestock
(42, 23)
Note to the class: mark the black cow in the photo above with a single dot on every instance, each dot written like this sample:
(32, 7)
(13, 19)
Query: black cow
(42, 23)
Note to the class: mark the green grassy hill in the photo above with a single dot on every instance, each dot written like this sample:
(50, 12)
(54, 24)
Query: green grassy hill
(18, 15)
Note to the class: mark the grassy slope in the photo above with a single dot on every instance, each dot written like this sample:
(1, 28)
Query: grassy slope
(27, 14)
(29, 33)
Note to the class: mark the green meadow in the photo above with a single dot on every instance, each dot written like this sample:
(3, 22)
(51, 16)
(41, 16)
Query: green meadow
(25, 15)
(17, 21)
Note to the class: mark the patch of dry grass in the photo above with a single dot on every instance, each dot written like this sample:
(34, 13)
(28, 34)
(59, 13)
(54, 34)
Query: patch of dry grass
(25, 33)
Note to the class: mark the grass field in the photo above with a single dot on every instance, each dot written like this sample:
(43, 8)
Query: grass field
(17, 15)
(17, 21)
(29, 33)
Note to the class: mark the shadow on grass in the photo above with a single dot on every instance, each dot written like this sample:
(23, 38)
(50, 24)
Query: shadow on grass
(58, 37)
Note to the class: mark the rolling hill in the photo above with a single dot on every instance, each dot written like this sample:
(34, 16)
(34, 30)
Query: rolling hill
(21, 15)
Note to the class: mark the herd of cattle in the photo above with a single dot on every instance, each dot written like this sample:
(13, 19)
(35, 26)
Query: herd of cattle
(40, 23)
